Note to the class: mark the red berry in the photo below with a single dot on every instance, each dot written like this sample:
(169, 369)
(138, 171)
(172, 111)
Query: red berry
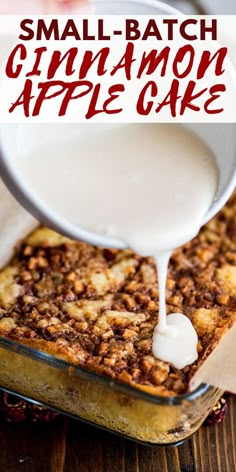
(14, 409)
(217, 414)
(39, 413)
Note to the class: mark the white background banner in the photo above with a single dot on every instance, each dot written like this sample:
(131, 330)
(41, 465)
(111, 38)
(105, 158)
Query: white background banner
(117, 69)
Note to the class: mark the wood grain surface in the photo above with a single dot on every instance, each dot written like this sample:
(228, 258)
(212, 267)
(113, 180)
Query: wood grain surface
(70, 446)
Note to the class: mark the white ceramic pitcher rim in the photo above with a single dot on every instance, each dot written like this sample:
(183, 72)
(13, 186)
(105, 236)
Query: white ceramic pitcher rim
(165, 7)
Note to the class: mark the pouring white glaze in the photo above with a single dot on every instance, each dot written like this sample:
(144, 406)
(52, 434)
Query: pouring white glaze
(147, 184)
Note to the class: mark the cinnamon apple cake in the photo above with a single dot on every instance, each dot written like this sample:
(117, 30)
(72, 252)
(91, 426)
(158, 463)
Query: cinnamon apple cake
(97, 308)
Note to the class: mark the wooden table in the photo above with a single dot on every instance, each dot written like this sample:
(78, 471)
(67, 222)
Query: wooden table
(70, 446)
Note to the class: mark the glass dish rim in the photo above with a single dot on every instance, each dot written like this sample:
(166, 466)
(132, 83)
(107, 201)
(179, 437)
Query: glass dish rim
(89, 375)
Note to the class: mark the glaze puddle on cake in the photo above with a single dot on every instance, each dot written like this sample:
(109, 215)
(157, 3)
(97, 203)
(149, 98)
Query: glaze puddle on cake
(149, 185)
(175, 339)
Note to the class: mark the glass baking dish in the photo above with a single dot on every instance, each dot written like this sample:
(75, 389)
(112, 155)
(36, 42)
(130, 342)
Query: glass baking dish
(125, 410)
(150, 419)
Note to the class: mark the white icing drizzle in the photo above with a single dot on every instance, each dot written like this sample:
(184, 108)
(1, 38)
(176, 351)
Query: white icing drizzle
(147, 184)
